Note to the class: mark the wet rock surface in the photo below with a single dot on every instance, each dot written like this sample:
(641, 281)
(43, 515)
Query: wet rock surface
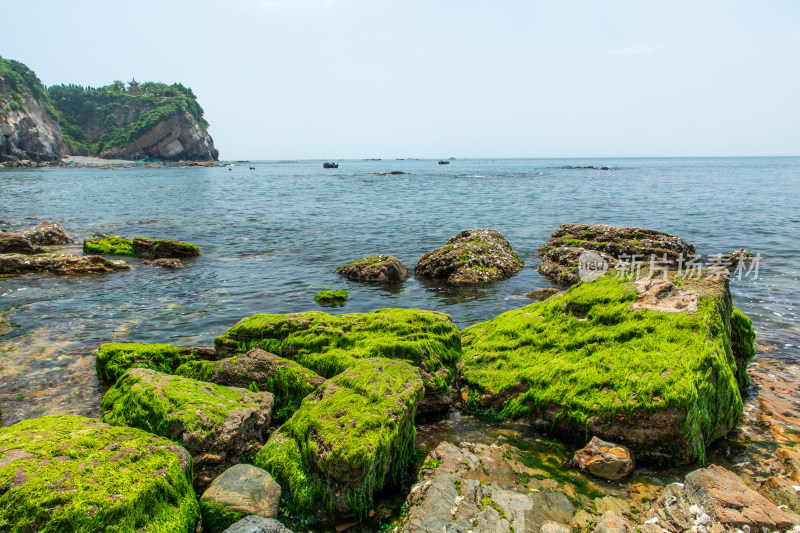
(47, 234)
(605, 459)
(61, 264)
(160, 248)
(165, 262)
(13, 243)
(562, 251)
(218, 425)
(472, 256)
(376, 268)
(240, 491)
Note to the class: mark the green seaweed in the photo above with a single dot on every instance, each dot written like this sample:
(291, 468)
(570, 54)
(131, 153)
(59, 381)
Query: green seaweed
(587, 355)
(114, 358)
(348, 440)
(109, 245)
(742, 339)
(73, 474)
(329, 344)
(217, 517)
(336, 296)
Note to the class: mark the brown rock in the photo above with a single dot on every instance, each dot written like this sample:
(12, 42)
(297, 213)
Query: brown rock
(13, 243)
(472, 256)
(62, 264)
(377, 268)
(657, 294)
(158, 248)
(165, 263)
(612, 522)
(782, 491)
(604, 459)
(561, 253)
(245, 489)
(542, 293)
(47, 234)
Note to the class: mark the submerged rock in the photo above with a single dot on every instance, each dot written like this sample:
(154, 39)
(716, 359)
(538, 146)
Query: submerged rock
(114, 358)
(330, 344)
(717, 500)
(286, 379)
(562, 251)
(47, 234)
(158, 249)
(663, 384)
(331, 297)
(351, 437)
(240, 491)
(489, 489)
(604, 459)
(164, 263)
(61, 264)
(218, 425)
(376, 268)
(474, 255)
(257, 524)
(70, 473)
(542, 294)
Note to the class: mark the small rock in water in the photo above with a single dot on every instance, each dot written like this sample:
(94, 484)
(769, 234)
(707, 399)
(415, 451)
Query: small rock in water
(742, 255)
(605, 460)
(381, 268)
(542, 293)
(165, 262)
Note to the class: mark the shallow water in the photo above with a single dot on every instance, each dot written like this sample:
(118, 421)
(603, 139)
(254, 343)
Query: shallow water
(271, 236)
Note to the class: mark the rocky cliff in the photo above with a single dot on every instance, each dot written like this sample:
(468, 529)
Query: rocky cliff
(147, 120)
(28, 128)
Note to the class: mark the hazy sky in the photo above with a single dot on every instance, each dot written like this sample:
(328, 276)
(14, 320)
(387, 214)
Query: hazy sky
(282, 79)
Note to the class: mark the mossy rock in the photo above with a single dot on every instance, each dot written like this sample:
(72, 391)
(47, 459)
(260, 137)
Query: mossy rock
(330, 344)
(586, 363)
(349, 439)
(260, 371)
(109, 246)
(331, 297)
(70, 473)
(381, 268)
(114, 358)
(472, 256)
(218, 425)
(161, 248)
(242, 490)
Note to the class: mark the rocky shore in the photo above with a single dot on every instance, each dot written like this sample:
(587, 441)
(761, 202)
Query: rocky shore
(309, 418)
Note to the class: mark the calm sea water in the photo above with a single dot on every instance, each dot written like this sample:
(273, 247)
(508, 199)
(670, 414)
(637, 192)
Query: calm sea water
(271, 236)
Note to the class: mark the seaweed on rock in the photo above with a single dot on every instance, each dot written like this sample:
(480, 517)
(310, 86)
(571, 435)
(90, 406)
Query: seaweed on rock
(114, 358)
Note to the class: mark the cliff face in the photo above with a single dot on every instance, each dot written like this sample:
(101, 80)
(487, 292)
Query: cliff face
(28, 129)
(177, 138)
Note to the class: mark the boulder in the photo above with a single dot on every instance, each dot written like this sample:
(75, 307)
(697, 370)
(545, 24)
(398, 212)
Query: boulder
(285, 379)
(717, 500)
(663, 384)
(218, 425)
(61, 264)
(47, 234)
(605, 460)
(13, 243)
(257, 524)
(562, 251)
(330, 344)
(240, 491)
(376, 268)
(159, 248)
(542, 294)
(491, 489)
(350, 438)
(114, 358)
(472, 256)
(70, 473)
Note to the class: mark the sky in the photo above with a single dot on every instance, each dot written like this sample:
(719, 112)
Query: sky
(302, 79)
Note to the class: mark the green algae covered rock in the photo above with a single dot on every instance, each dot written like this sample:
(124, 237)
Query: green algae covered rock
(70, 473)
(261, 371)
(329, 344)
(218, 425)
(329, 297)
(109, 245)
(114, 358)
(647, 365)
(375, 268)
(351, 437)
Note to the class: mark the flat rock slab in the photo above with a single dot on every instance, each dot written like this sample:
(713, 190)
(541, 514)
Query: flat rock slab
(62, 264)
(472, 256)
(348, 439)
(562, 251)
(381, 268)
(240, 491)
(284, 378)
(70, 473)
(330, 344)
(218, 425)
(258, 524)
(479, 488)
(662, 384)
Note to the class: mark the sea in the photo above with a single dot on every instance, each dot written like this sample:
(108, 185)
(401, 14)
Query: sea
(271, 233)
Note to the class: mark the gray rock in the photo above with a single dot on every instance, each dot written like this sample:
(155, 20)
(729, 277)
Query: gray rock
(47, 234)
(257, 524)
(246, 489)
(542, 293)
(377, 268)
